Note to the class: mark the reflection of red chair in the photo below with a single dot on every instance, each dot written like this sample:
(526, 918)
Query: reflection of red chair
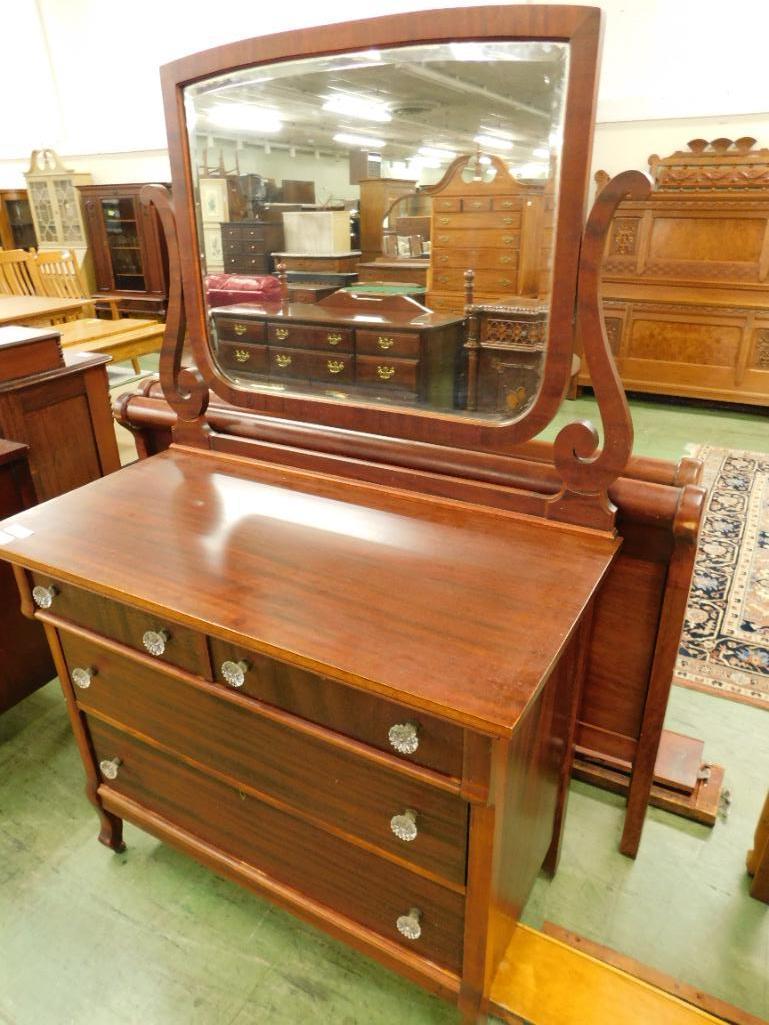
(229, 289)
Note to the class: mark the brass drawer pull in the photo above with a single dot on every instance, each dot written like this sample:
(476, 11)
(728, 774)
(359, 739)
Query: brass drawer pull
(443, 278)
(109, 770)
(43, 596)
(404, 737)
(282, 333)
(444, 221)
(508, 239)
(155, 641)
(410, 925)
(507, 220)
(477, 205)
(507, 204)
(443, 238)
(505, 281)
(240, 329)
(335, 366)
(384, 342)
(283, 361)
(242, 355)
(333, 339)
(234, 673)
(505, 259)
(385, 373)
(405, 826)
(443, 258)
(82, 677)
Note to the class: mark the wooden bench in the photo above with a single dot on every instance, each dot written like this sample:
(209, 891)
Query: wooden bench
(125, 339)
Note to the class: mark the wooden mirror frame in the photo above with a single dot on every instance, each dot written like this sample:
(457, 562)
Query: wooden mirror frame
(580, 27)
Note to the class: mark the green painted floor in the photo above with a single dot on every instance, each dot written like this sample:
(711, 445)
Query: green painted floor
(150, 938)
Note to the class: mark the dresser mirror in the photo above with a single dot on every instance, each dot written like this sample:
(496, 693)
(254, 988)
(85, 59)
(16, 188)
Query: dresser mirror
(489, 114)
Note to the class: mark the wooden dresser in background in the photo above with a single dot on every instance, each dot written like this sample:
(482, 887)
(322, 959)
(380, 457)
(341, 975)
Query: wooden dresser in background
(494, 228)
(686, 276)
(55, 434)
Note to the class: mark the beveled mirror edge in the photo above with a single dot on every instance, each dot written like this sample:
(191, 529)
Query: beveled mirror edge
(578, 26)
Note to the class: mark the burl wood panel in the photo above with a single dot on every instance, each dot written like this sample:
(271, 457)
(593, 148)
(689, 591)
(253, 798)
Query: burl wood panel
(324, 781)
(367, 889)
(451, 609)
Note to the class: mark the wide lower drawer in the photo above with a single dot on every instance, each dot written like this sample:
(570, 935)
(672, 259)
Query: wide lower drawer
(387, 343)
(321, 779)
(301, 336)
(242, 356)
(234, 330)
(367, 889)
(479, 238)
(498, 219)
(471, 259)
(144, 631)
(246, 263)
(375, 721)
(501, 281)
(386, 372)
(312, 366)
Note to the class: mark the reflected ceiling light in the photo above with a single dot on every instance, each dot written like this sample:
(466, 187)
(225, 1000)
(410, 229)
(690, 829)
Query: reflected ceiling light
(484, 160)
(468, 51)
(493, 142)
(358, 140)
(437, 153)
(418, 162)
(542, 152)
(534, 169)
(245, 117)
(358, 106)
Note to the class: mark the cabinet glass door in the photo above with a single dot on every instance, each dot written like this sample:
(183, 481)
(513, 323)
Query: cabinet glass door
(69, 212)
(20, 221)
(123, 241)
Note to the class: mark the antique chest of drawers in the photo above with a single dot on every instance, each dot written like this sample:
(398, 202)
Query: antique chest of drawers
(404, 351)
(247, 245)
(494, 228)
(259, 670)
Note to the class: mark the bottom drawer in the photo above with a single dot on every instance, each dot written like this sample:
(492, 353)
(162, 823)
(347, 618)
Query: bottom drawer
(365, 888)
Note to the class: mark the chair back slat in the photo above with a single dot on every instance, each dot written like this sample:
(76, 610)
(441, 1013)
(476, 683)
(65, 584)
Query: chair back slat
(18, 273)
(60, 275)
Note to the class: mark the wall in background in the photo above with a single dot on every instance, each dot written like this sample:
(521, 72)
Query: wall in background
(671, 72)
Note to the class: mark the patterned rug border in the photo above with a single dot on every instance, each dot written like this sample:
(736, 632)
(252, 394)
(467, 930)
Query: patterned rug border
(716, 594)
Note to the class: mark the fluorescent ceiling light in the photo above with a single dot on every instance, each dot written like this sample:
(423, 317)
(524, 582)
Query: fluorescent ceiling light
(418, 162)
(493, 142)
(358, 140)
(532, 170)
(358, 106)
(437, 153)
(542, 152)
(245, 117)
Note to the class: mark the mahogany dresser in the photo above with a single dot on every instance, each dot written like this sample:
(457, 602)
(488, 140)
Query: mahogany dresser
(686, 276)
(248, 245)
(494, 228)
(390, 343)
(351, 684)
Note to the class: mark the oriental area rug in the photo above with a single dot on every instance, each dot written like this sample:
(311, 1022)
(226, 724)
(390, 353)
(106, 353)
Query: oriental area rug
(725, 642)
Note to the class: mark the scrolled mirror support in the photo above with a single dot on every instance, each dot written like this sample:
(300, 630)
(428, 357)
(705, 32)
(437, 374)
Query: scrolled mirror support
(184, 388)
(587, 471)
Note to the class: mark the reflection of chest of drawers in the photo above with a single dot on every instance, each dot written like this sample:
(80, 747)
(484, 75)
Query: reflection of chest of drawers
(506, 343)
(284, 691)
(248, 245)
(413, 357)
(493, 228)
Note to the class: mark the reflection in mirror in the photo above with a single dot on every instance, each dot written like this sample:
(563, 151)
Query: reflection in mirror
(377, 227)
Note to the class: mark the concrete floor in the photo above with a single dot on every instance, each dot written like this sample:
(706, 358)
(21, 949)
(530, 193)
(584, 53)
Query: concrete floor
(90, 938)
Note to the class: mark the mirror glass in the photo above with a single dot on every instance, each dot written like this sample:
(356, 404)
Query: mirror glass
(350, 207)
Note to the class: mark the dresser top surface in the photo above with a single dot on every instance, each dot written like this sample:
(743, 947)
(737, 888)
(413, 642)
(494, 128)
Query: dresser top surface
(446, 607)
(368, 314)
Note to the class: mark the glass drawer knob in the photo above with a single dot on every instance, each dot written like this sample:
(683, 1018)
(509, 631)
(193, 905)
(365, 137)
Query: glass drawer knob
(81, 677)
(109, 768)
(404, 737)
(405, 826)
(234, 673)
(155, 641)
(43, 596)
(409, 925)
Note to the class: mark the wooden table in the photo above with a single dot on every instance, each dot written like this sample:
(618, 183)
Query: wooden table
(122, 339)
(38, 309)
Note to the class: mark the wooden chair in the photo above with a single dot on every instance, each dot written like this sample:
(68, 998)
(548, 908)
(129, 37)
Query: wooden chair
(18, 273)
(60, 276)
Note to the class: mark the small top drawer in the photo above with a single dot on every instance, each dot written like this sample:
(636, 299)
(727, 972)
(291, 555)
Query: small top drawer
(476, 204)
(389, 343)
(240, 330)
(144, 631)
(383, 724)
(449, 204)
